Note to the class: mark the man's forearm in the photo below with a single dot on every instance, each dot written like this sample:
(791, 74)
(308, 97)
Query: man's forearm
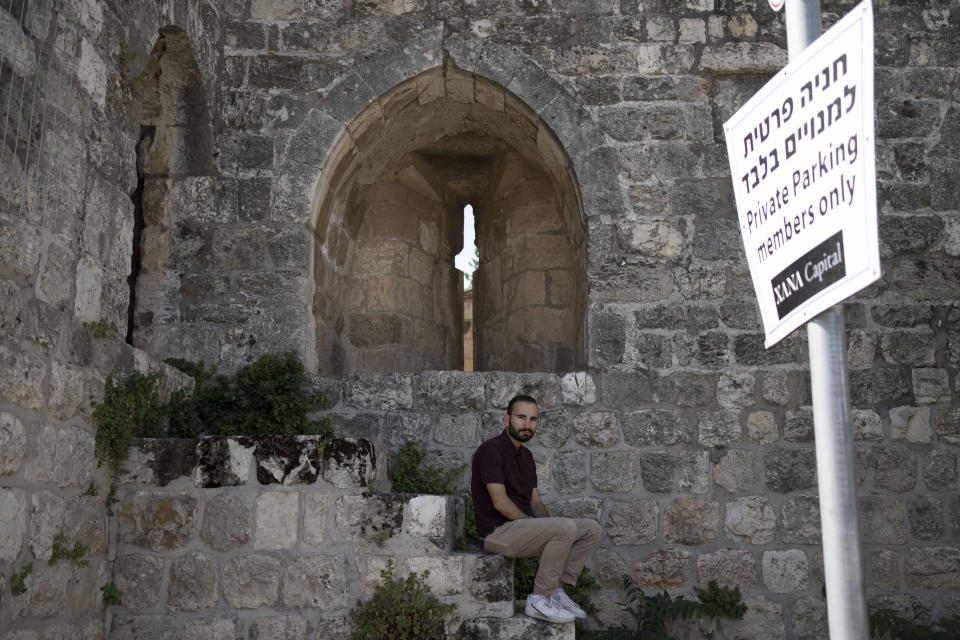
(509, 510)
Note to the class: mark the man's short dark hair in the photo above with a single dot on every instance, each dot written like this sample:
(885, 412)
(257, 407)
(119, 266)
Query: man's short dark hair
(519, 398)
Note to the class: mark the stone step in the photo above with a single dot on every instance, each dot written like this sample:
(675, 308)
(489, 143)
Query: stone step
(517, 626)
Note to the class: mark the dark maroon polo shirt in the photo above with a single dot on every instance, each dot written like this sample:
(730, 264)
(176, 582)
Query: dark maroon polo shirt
(498, 461)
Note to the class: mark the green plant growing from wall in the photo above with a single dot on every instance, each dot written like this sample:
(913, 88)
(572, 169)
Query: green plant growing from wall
(652, 615)
(111, 594)
(18, 581)
(128, 410)
(61, 551)
(400, 608)
(410, 475)
(101, 329)
(889, 625)
(129, 81)
(268, 397)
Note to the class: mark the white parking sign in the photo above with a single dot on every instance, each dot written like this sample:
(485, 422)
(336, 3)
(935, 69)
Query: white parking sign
(802, 161)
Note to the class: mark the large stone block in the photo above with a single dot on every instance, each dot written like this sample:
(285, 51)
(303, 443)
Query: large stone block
(736, 470)
(800, 520)
(140, 578)
(691, 520)
(896, 469)
(369, 517)
(614, 471)
(451, 391)
(227, 522)
(490, 578)
(277, 517)
(193, 582)
(382, 392)
(353, 463)
(447, 575)
(633, 523)
(13, 523)
(882, 520)
(430, 517)
(48, 592)
(750, 519)
(13, 441)
(279, 628)
(578, 389)
(932, 568)
(657, 471)
(596, 429)
(785, 571)
(288, 460)
(160, 461)
(250, 582)
(649, 427)
(152, 627)
(695, 475)
(718, 429)
(457, 430)
(21, 378)
(316, 582)
(790, 469)
(157, 521)
(223, 461)
(731, 568)
(663, 569)
(515, 627)
(46, 522)
(554, 429)
(216, 629)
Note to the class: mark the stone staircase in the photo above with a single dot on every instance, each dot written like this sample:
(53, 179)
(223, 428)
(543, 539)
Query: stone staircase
(280, 536)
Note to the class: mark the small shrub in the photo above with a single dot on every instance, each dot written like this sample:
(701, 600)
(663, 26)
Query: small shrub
(18, 581)
(112, 594)
(725, 602)
(889, 625)
(62, 552)
(102, 329)
(410, 475)
(653, 614)
(400, 608)
(269, 397)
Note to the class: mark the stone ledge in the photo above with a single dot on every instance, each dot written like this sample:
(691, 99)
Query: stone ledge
(222, 461)
(518, 626)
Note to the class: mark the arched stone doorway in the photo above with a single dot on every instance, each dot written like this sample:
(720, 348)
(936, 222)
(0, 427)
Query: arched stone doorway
(389, 222)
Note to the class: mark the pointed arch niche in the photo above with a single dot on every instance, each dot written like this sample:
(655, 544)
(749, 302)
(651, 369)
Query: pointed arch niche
(174, 172)
(389, 222)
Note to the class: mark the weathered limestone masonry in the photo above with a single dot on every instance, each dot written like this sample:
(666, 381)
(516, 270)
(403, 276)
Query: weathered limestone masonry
(275, 536)
(292, 175)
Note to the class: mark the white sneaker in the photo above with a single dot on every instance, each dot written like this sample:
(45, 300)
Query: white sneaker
(547, 609)
(564, 602)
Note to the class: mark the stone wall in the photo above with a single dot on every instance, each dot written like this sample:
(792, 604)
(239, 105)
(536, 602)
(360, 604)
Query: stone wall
(689, 441)
(277, 537)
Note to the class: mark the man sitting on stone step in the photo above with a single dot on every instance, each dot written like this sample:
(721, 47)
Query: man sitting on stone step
(512, 520)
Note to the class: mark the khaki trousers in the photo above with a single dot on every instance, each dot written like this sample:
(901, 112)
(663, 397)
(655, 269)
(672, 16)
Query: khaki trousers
(563, 544)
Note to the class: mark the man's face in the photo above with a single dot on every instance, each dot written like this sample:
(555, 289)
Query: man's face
(522, 423)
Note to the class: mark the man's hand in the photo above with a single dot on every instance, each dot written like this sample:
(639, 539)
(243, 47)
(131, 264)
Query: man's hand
(537, 506)
(502, 502)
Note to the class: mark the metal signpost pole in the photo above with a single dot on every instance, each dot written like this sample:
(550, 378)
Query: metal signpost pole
(846, 602)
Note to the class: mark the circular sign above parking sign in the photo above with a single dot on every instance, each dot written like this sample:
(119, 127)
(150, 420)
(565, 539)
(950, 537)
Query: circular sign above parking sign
(776, 5)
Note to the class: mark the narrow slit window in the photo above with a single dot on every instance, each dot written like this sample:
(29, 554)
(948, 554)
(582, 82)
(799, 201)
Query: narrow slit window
(467, 261)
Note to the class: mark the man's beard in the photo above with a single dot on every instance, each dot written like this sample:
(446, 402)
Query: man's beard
(516, 435)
